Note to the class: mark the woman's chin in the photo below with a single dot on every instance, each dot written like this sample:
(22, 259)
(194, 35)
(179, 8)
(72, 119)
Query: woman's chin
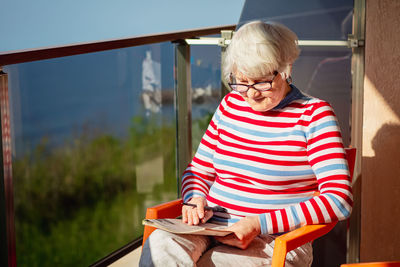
(261, 107)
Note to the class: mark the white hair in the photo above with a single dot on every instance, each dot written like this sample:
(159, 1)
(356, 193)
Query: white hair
(258, 49)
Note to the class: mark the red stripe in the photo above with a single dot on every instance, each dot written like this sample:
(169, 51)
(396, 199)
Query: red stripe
(203, 163)
(306, 213)
(285, 220)
(342, 195)
(335, 185)
(318, 211)
(261, 191)
(264, 143)
(211, 135)
(325, 146)
(323, 136)
(207, 144)
(316, 117)
(300, 153)
(264, 182)
(272, 113)
(274, 222)
(263, 160)
(328, 207)
(323, 114)
(213, 125)
(339, 177)
(264, 123)
(195, 184)
(237, 207)
(327, 157)
(188, 188)
(191, 171)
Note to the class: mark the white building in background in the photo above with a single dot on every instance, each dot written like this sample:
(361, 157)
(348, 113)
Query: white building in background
(151, 84)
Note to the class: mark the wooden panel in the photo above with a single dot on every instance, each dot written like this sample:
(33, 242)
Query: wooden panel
(380, 184)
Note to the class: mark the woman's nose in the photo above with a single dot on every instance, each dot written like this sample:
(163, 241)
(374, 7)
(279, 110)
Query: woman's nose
(253, 93)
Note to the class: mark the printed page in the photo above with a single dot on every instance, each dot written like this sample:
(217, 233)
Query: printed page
(178, 227)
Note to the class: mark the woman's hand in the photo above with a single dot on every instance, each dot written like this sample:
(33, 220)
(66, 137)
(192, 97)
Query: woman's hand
(244, 231)
(192, 215)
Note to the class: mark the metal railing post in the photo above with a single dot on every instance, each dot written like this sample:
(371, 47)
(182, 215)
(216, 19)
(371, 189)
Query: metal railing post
(7, 231)
(183, 106)
(353, 237)
(225, 35)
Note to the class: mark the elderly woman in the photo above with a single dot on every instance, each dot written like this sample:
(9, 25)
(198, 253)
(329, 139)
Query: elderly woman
(267, 150)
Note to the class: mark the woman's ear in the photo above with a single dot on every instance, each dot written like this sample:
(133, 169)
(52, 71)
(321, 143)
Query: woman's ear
(290, 69)
(289, 74)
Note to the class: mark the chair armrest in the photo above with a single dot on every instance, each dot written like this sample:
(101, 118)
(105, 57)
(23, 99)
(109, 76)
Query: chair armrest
(373, 264)
(296, 238)
(171, 209)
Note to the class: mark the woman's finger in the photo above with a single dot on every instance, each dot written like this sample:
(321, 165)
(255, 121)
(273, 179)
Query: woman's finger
(208, 214)
(184, 214)
(195, 214)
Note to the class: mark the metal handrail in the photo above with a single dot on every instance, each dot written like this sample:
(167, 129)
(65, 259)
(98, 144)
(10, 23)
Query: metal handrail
(21, 56)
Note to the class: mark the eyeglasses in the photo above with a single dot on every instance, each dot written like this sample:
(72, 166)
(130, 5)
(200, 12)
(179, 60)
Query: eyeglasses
(261, 86)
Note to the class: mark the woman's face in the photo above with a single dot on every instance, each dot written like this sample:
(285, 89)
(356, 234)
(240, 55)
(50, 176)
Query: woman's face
(264, 101)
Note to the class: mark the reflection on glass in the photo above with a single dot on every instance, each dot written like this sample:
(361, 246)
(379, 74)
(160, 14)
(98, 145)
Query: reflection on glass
(206, 88)
(93, 146)
(310, 20)
(326, 74)
(323, 72)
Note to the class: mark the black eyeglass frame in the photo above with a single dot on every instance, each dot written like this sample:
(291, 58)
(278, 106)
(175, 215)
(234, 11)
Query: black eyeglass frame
(232, 85)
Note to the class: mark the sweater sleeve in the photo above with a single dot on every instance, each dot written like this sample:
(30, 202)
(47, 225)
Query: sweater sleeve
(326, 156)
(200, 174)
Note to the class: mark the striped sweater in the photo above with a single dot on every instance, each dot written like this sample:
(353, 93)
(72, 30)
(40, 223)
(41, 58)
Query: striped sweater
(271, 164)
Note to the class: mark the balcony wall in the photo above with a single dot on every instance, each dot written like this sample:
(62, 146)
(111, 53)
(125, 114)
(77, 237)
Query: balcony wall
(380, 189)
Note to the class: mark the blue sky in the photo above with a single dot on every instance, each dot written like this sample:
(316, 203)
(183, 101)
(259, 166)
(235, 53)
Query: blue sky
(27, 24)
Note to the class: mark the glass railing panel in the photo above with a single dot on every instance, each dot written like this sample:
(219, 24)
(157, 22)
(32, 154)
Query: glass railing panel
(206, 88)
(310, 20)
(326, 73)
(93, 146)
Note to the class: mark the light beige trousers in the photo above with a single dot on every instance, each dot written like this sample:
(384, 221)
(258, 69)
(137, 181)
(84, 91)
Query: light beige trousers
(166, 249)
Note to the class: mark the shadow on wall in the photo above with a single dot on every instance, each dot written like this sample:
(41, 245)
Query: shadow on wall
(380, 207)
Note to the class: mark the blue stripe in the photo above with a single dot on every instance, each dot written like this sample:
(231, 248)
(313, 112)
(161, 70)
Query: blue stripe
(295, 216)
(192, 194)
(259, 133)
(224, 220)
(321, 126)
(205, 153)
(341, 207)
(257, 201)
(216, 117)
(192, 174)
(262, 170)
(331, 168)
(263, 224)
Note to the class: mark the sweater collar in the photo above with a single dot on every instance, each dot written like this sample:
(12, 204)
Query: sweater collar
(294, 94)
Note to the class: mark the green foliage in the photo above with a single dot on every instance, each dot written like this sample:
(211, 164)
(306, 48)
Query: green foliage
(77, 203)
(198, 129)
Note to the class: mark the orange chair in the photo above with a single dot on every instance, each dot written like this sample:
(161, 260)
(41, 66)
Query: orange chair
(283, 243)
(373, 264)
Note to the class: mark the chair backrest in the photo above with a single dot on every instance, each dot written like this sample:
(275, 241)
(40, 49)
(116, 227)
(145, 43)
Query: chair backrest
(351, 159)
